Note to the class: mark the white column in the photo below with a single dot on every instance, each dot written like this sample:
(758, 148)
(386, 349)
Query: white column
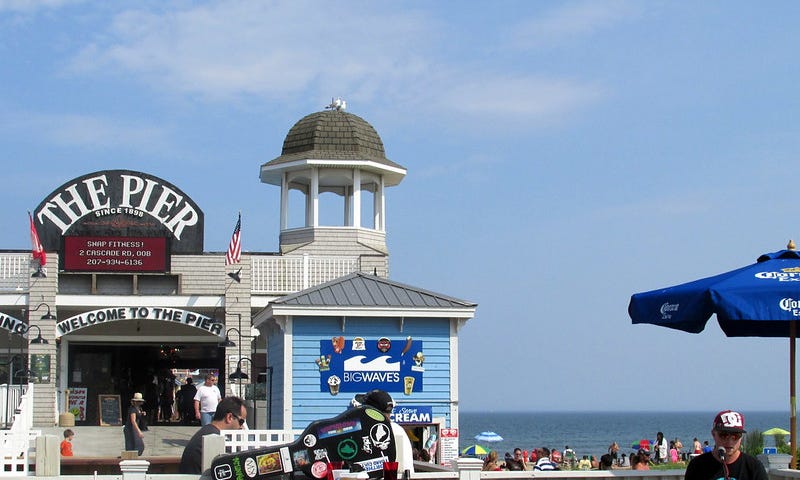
(314, 196)
(379, 207)
(357, 198)
(348, 206)
(285, 201)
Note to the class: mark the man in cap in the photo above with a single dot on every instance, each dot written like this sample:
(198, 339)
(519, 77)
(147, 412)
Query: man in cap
(382, 401)
(229, 415)
(726, 460)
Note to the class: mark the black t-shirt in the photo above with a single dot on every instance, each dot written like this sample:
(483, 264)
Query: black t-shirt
(706, 467)
(192, 458)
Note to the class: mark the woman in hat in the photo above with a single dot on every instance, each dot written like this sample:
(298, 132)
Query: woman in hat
(134, 438)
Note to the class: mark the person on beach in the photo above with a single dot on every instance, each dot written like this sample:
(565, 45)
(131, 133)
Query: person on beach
(229, 415)
(726, 460)
(544, 463)
(490, 462)
(673, 452)
(660, 449)
(706, 447)
(518, 462)
(697, 448)
(585, 463)
(613, 450)
(134, 437)
(638, 462)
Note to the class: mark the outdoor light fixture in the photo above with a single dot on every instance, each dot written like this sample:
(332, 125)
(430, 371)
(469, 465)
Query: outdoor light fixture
(46, 316)
(39, 339)
(39, 273)
(239, 374)
(228, 342)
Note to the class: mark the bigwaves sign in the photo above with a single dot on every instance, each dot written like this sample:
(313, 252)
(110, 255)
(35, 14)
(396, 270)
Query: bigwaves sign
(360, 365)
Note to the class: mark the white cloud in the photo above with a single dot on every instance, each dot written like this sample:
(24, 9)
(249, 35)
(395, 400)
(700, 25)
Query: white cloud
(276, 52)
(263, 49)
(521, 96)
(577, 19)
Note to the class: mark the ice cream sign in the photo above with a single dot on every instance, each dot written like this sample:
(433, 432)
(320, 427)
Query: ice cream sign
(358, 365)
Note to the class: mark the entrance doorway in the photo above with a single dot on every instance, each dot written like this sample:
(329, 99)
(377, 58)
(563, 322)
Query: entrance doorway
(155, 370)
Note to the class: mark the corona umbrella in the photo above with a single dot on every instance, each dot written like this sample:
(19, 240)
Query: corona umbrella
(776, 431)
(758, 300)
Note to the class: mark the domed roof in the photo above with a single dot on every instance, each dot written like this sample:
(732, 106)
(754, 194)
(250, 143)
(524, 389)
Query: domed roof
(332, 135)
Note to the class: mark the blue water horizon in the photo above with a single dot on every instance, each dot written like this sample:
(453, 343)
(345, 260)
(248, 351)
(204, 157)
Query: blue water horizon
(591, 432)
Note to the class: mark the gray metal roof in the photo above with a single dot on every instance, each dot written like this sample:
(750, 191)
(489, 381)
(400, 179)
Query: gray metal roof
(363, 290)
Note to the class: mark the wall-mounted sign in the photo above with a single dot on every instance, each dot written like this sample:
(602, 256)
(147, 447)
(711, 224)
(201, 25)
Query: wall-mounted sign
(394, 365)
(163, 314)
(119, 254)
(120, 203)
(40, 366)
(12, 324)
(412, 414)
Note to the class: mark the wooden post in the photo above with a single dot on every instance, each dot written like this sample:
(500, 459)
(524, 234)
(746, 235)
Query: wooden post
(48, 456)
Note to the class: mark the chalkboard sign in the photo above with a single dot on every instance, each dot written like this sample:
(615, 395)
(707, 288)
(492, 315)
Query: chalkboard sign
(110, 410)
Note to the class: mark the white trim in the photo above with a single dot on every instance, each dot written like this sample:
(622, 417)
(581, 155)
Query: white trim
(454, 372)
(192, 301)
(14, 299)
(322, 162)
(316, 311)
(288, 368)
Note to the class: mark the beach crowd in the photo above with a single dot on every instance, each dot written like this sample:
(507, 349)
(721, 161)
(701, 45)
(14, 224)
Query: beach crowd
(645, 454)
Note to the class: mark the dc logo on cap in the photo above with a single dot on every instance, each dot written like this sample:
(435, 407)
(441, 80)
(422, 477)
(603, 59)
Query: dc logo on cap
(732, 420)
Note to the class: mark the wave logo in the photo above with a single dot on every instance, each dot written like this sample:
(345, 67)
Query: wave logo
(667, 309)
(379, 369)
(790, 305)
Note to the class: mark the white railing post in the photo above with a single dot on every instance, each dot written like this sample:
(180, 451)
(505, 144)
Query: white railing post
(305, 271)
(468, 468)
(134, 469)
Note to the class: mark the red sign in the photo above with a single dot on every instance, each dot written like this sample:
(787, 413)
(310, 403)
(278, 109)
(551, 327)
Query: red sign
(115, 254)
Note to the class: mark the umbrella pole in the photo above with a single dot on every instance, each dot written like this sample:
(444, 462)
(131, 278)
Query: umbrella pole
(792, 398)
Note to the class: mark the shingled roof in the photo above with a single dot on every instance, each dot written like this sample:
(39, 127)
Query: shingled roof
(363, 292)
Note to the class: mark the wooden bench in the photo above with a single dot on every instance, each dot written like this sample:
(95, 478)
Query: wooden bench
(110, 465)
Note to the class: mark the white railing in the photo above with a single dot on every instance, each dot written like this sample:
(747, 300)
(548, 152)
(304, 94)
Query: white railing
(14, 274)
(10, 397)
(238, 440)
(289, 274)
(17, 444)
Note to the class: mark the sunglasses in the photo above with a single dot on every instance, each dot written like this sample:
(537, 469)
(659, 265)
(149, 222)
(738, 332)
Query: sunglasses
(726, 435)
(241, 420)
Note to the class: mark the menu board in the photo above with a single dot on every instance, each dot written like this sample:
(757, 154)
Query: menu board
(110, 410)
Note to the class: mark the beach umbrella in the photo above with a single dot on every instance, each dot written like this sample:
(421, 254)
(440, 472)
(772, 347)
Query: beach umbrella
(776, 431)
(474, 451)
(488, 437)
(758, 300)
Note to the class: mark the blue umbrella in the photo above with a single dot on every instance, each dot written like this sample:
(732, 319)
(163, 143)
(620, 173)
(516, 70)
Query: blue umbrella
(488, 437)
(759, 300)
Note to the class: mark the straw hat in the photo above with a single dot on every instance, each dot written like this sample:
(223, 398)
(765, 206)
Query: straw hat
(137, 397)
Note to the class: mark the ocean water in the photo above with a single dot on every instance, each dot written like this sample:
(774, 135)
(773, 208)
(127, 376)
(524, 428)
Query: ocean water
(590, 433)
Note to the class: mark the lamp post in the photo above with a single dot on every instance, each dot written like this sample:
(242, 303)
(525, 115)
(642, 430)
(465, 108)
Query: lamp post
(39, 340)
(46, 316)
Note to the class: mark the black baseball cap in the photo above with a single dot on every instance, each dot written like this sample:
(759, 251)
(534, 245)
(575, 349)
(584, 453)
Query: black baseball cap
(376, 398)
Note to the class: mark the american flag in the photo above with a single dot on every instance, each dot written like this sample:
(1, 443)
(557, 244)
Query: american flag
(234, 254)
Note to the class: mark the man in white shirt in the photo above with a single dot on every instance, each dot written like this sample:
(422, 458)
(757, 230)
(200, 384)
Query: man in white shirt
(206, 400)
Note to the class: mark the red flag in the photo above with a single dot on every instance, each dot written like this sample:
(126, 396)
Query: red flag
(234, 254)
(38, 251)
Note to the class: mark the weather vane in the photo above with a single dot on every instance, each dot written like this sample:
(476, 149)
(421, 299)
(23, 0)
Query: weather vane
(337, 104)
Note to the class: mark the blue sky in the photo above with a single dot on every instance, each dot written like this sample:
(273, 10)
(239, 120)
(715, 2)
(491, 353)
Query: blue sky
(561, 156)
